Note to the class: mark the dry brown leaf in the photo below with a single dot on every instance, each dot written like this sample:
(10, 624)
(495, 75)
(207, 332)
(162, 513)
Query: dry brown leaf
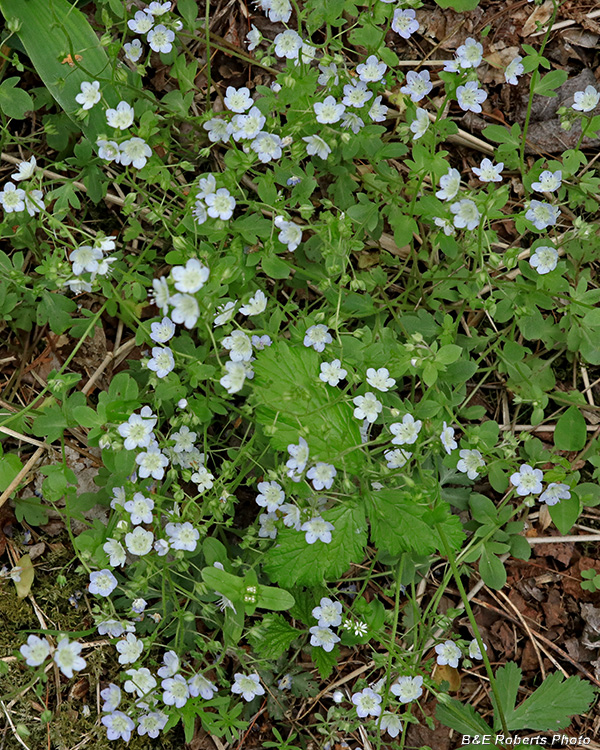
(541, 14)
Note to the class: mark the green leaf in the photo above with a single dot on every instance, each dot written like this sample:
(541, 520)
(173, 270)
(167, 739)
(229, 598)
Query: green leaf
(50, 424)
(293, 561)
(546, 86)
(14, 102)
(565, 513)
(31, 510)
(461, 717)
(275, 268)
(550, 707)
(448, 354)
(272, 636)
(10, 466)
(520, 547)
(571, 432)
(492, 569)
(508, 679)
(27, 575)
(458, 4)
(269, 597)
(325, 661)
(225, 583)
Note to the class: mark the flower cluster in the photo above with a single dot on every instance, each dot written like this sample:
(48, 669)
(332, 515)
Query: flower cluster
(16, 199)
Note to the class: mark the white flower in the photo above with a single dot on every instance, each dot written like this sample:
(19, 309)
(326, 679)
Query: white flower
(159, 9)
(324, 637)
(162, 362)
(474, 650)
(420, 124)
(449, 184)
(397, 458)
(317, 336)
(176, 691)
(239, 346)
(554, 493)
(34, 203)
(186, 310)
(108, 150)
(317, 528)
(137, 432)
(255, 305)
(234, 378)
(268, 526)
(470, 97)
(288, 44)
(130, 649)
(367, 703)
(118, 725)
(544, 260)
(35, 651)
(290, 234)
(367, 407)
(66, 657)
(370, 71)
(448, 653)
(141, 23)
(182, 536)
(528, 481)
(407, 431)
(338, 696)
(152, 463)
(121, 117)
(548, 181)
(542, 215)
(248, 686)
(260, 342)
(298, 458)
(328, 75)
(225, 313)
(470, 462)
(405, 22)
(238, 100)
(141, 682)
(356, 94)
(161, 547)
(328, 613)
(203, 479)
(160, 39)
(407, 689)
(139, 541)
(378, 111)
(466, 214)
(102, 582)
(220, 204)
(322, 475)
(12, 198)
(332, 372)
(152, 724)
(586, 101)
(278, 10)
(449, 230)
(271, 496)
(85, 258)
(417, 85)
(316, 146)
(115, 551)
(217, 129)
(328, 111)
(191, 278)
(254, 38)
(163, 331)
(184, 439)
(447, 438)
(134, 151)
(90, 94)
(247, 126)
(488, 171)
(133, 50)
(380, 379)
(114, 628)
(139, 509)
(291, 516)
(514, 69)
(391, 723)
(470, 53)
(25, 170)
(267, 147)
(111, 696)
(200, 686)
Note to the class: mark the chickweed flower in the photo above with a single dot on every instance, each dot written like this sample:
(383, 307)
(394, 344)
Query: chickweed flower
(141, 682)
(528, 481)
(12, 198)
(371, 71)
(161, 39)
(404, 22)
(554, 493)
(475, 651)
(316, 146)
(542, 215)
(182, 536)
(267, 147)
(130, 649)
(367, 407)
(587, 100)
(407, 431)
(449, 184)
(471, 461)
(323, 637)
(248, 686)
(470, 97)
(378, 111)
(417, 85)
(447, 438)
(290, 233)
(268, 526)
(367, 703)
(544, 259)
(548, 182)
(328, 111)
(137, 431)
(420, 124)
(200, 686)
(317, 529)
(102, 582)
(152, 463)
(121, 117)
(391, 724)
(514, 69)
(152, 724)
(322, 475)
(238, 100)
(162, 362)
(448, 653)
(133, 50)
(108, 150)
(66, 657)
(470, 53)
(356, 94)
(397, 458)
(271, 496)
(488, 171)
(175, 691)
(288, 44)
(254, 38)
(278, 10)
(332, 372)
(217, 129)
(25, 170)
(163, 331)
(142, 22)
(328, 613)
(90, 94)
(139, 541)
(191, 277)
(234, 378)
(466, 214)
(380, 379)
(317, 336)
(111, 697)
(239, 346)
(134, 151)
(118, 725)
(35, 651)
(408, 689)
(298, 457)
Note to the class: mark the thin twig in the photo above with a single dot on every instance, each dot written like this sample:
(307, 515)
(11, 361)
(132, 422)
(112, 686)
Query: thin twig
(24, 471)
